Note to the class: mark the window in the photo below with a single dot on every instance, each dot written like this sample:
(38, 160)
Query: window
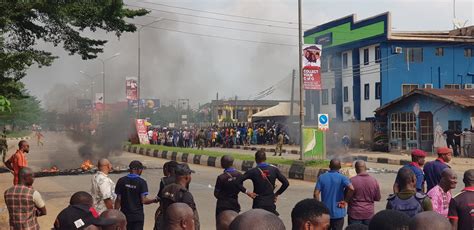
(467, 52)
(439, 51)
(378, 90)
(345, 61)
(426, 126)
(324, 97)
(346, 94)
(366, 91)
(333, 96)
(406, 88)
(403, 126)
(324, 64)
(414, 55)
(378, 54)
(366, 56)
(452, 86)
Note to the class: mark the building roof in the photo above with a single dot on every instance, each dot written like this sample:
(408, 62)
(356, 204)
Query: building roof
(245, 102)
(434, 36)
(280, 110)
(460, 97)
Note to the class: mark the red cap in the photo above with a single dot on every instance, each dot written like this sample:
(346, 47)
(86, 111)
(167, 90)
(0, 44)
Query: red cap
(418, 153)
(444, 150)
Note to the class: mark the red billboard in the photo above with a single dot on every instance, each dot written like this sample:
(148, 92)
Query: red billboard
(312, 67)
(142, 131)
(131, 88)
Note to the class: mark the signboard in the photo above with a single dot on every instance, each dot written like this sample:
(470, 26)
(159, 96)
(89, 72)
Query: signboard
(131, 88)
(145, 103)
(312, 67)
(314, 143)
(142, 131)
(323, 122)
(99, 101)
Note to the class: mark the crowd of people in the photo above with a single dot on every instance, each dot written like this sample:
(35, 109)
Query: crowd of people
(219, 136)
(120, 205)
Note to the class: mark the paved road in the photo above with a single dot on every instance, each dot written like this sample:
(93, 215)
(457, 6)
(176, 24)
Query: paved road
(63, 152)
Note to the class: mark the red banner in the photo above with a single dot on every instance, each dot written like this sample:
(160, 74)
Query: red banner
(142, 131)
(131, 88)
(312, 77)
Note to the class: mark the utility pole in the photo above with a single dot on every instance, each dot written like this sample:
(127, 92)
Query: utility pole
(292, 100)
(300, 47)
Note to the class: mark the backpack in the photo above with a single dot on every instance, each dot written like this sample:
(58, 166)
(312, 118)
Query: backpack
(411, 206)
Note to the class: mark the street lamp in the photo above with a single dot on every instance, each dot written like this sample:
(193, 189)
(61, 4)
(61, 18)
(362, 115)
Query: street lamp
(91, 78)
(103, 73)
(139, 62)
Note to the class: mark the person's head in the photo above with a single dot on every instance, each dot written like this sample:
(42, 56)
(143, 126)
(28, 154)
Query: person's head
(445, 153)
(183, 174)
(335, 164)
(468, 178)
(81, 198)
(418, 156)
(465, 129)
(310, 214)
(136, 167)
(260, 156)
(357, 227)
(389, 220)
(429, 220)
(406, 178)
(225, 218)
(179, 216)
(360, 166)
(169, 167)
(118, 216)
(257, 219)
(24, 146)
(26, 176)
(104, 165)
(227, 161)
(449, 179)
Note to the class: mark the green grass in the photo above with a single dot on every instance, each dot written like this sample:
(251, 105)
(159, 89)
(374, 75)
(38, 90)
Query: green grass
(17, 134)
(239, 156)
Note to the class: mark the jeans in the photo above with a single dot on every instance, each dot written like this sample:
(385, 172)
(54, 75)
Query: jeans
(354, 221)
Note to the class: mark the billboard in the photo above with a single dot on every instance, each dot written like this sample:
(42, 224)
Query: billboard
(142, 131)
(314, 143)
(99, 101)
(312, 67)
(131, 88)
(145, 103)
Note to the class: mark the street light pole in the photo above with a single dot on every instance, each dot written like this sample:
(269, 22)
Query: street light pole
(103, 75)
(91, 78)
(300, 47)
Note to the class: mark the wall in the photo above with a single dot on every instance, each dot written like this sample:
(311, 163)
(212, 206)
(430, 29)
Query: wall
(369, 74)
(328, 82)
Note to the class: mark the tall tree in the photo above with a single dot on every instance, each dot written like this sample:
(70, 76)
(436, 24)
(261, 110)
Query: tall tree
(24, 112)
(24, 23)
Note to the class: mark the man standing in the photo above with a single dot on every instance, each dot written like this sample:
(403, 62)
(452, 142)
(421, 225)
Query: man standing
(407, 200)
(132, 193)
(461, 207)
(417, 162)
(200, 138)
(3, 147)
(226, 191)
(366, 192)
(441, 194)
(18, 160)
(103, 188)
(179, 216)
(434, 168)
(178, 193)
(449, 134)
(263, 178)
(24, 203)
(279, 147)
(467, 140)
(331, 186)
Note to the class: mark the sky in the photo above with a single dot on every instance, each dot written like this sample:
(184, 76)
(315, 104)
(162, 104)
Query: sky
(200, 61)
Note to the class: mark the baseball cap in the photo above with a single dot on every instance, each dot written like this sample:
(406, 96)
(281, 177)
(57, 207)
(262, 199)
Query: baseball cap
(135, 165)
(79, 217)
(418, 153)
(182, 170)
(444, 150)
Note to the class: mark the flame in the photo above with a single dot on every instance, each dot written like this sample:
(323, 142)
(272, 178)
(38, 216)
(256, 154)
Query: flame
(52, 169)
(87, 165)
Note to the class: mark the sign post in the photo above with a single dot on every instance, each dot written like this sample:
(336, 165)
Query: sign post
(323, 122)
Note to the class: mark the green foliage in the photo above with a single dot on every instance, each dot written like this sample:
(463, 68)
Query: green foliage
(24, 112)
(24, 23)
(4, 104)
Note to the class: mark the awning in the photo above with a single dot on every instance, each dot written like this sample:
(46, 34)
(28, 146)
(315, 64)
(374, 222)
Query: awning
(280, 110)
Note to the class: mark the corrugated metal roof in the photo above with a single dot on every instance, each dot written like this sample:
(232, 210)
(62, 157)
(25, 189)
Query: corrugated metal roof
(461, 97)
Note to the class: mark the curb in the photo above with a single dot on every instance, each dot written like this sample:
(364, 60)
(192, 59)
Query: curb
(18, 138)
(295, 171)
(268, 150)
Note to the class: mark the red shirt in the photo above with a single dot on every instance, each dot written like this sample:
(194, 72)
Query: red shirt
(18, 161)
(366, 192)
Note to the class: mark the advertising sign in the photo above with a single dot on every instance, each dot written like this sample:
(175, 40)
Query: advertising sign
(142, 131)
(323, 122)
(312, 67)
(99, 101)
(145, 103)
(314, 143)
(131, 88)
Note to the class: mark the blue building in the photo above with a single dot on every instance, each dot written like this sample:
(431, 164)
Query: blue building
(366, 65)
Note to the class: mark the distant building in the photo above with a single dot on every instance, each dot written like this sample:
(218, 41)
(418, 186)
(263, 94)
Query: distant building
(238, 110)
(365, 65)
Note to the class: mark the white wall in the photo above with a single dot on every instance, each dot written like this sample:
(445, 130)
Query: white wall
(347, 80)
(370, 74)
(328, 83)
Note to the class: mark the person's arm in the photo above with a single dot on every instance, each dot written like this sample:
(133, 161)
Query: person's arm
(109, 203)
(118, 191)
(240, 184)
(217, 188)
(349, 192)
(284, 182)
(9, 164)
(427, 205)
(39, 204)
(144, 193)
(377, 195)
(316, 194)
(118, 202)
(453, 214)
(105, 191)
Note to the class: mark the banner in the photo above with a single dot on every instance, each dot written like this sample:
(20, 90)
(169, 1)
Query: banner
(145, 103)
(131, 88)
(142, 131)
(312, 67)
(314, 143)
(99, 101)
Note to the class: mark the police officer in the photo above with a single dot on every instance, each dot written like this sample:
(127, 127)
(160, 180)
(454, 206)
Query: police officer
(226, 190)
(201, 138)
(3, 147)
(263, 177)
(178, 193)
(169, 178)
(279, 147)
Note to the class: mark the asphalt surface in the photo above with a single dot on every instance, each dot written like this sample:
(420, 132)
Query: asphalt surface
(59, 150)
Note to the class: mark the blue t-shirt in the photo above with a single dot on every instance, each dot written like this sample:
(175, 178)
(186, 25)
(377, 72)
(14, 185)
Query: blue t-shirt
(332, 185)
(131, 189)
(420, 176)
(433, 170)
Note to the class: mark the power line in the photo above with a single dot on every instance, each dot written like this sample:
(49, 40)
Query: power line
(218, 19)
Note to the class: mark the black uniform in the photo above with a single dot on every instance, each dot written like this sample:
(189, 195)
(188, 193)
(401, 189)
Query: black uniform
(176, 193)
(263, 177)
(227, 192)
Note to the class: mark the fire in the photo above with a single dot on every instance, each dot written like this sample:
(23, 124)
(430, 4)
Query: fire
(52, 169)
(87, 165)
